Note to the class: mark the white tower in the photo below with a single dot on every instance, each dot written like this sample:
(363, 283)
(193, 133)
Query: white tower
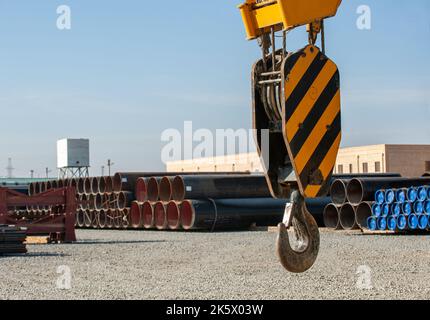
(73, 158)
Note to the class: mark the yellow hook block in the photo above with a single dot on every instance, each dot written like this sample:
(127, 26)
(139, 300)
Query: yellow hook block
(260, 17)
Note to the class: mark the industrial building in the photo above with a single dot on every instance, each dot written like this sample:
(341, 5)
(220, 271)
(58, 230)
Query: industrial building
(408, 160)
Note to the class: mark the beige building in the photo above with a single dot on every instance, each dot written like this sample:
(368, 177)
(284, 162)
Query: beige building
(408, 160)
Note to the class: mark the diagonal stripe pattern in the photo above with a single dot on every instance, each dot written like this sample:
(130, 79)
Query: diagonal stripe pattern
(312, 117)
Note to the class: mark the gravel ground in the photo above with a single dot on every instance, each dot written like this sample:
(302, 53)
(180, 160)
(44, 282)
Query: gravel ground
(158, 265)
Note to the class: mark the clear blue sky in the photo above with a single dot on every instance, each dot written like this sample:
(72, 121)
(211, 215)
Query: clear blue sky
(130, 69)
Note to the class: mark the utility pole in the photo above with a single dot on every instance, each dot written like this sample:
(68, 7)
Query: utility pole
(103, 171)
(47, 172)
(32, 174)
(9, 169)
(110, 164)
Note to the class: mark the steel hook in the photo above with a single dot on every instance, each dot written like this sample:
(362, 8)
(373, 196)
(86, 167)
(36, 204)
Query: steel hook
(301, 258)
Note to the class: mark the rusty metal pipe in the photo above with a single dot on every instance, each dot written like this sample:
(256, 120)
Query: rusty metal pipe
(124, 199)
(80, 216)
(153, 189)
(87, 185)
(165, 189)
(95, 185)
(80, 186)
(110, 216)
(98, 201)
(148, 215)
(173, 213)
(87, 218)
(101, 184)
(141, 191)
(160, 216)
(125, 218)
(136, 221)
(108, 184)
(102, 219)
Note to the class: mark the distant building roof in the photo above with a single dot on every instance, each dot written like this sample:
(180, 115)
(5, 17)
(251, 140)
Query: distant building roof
(19, 181)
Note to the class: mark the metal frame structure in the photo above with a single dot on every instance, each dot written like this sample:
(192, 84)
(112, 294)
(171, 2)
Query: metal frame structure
(73, 172)
(59, 221)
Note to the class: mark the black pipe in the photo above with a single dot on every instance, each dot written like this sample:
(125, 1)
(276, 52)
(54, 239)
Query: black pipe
(339, 184)
(331, 217)
(316, 209)
(363, 189)
(347, 217)
(126, 181)
(362, 213)
(338, 191)
(219, 186)
(231, 214)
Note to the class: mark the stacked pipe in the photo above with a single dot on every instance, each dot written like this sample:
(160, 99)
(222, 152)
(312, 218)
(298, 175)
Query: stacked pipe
(353, 199)
(106, 202)
(341, 213)
(402, 209)
(101, 203)
(12, 240)
(208, 202)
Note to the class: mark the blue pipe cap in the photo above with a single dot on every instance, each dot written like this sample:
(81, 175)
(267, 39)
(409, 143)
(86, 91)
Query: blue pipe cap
(380, 196)
(376, 210)
(407, 208)
(412, 194)
(372, 224)
(382, 223)
(423, 221)
(422, 194)
(427, 207)
(401, 195)
(390, 196)
(413, 222)
(386, 210)
(392, 223)
(402, 222)
(419, 207)
(397, 209)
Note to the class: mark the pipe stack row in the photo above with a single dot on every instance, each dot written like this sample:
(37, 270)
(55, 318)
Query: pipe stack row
(208, 202)
(353, 199)
(403, 209)
(204, 202)
(12, 240)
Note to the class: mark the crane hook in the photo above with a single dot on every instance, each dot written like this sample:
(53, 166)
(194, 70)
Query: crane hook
(303, 256)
